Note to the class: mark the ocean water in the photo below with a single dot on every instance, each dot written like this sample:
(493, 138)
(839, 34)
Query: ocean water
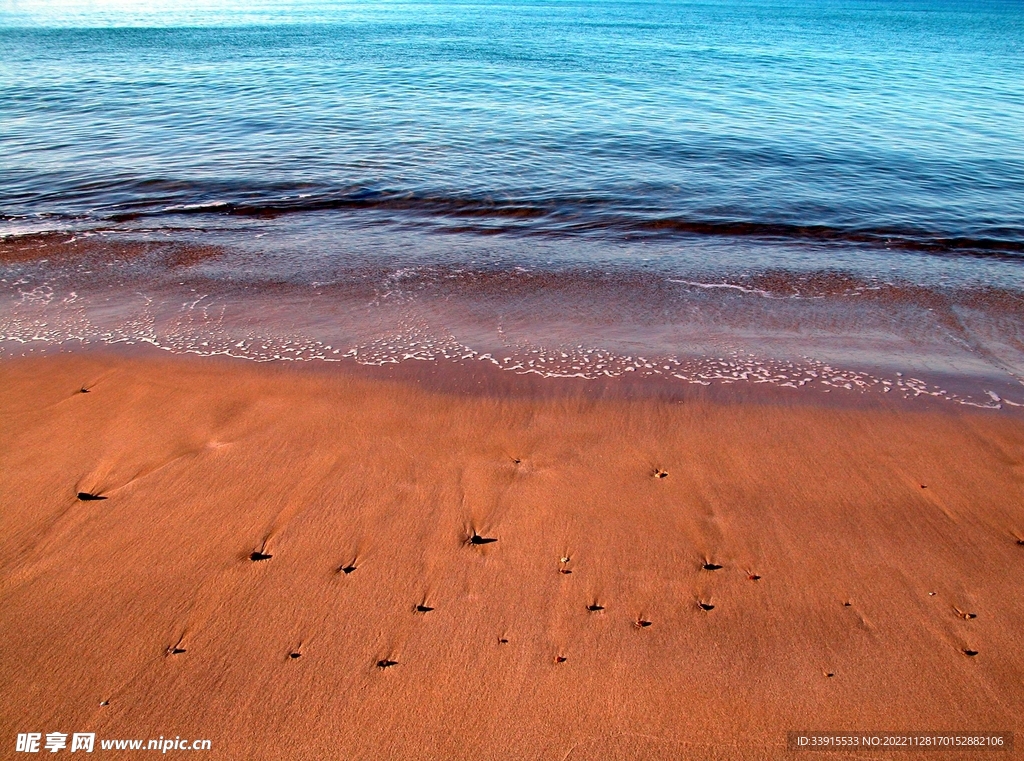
(763, 184)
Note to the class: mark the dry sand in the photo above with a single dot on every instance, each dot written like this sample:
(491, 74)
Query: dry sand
(853, 545)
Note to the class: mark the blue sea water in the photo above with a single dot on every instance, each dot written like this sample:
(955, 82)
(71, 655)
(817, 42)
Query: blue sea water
(814, 119)
(878, 143)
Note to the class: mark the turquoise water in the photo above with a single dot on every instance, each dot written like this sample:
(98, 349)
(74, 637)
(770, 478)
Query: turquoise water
(841, 180)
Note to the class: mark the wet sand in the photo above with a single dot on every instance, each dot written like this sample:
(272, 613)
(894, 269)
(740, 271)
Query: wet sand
(308, 565)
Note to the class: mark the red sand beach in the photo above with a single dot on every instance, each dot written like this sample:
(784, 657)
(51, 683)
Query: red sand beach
(284, 563)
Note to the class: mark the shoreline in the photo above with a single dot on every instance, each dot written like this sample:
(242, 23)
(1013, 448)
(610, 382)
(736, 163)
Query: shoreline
(885, 542)
(918, 333)
(474, 377)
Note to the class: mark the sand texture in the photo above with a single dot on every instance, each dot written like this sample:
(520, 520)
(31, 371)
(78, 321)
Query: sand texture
(800, 567)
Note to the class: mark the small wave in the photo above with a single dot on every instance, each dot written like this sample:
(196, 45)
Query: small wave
(195, 207)
(609, 215)
(14, 230)
(599, 215)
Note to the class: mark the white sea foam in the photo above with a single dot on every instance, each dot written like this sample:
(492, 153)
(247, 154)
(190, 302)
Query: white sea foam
(200, 325)
(727, 286)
